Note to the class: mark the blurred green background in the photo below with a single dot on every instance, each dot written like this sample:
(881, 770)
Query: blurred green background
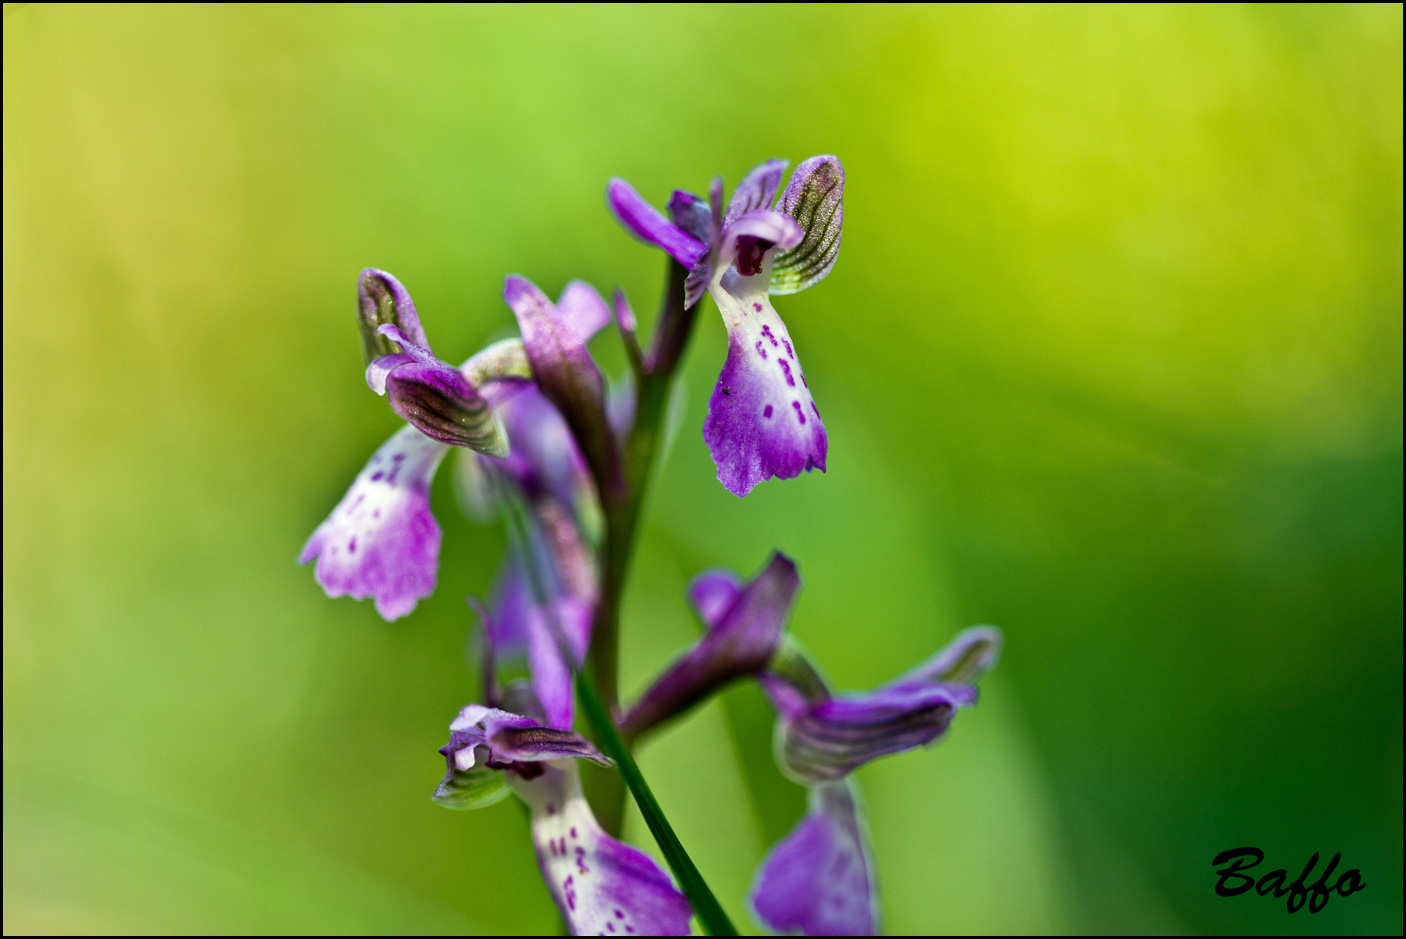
(1111, 358)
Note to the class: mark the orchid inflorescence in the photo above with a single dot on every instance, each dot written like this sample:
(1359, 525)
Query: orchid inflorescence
(543, 443)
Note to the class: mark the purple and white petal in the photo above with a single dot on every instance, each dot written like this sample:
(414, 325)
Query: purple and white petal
(762, 421)
(819, 880)
(601, 886)
(756, 190)
(815, 199)
(649, 225)
(382, 300)
(741, 643)
(382, 540)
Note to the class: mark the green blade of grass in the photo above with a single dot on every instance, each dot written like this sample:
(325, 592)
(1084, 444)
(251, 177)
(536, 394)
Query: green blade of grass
(705, 905)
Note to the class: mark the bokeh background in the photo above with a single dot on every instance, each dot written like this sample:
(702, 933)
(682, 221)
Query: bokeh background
(1111, 358)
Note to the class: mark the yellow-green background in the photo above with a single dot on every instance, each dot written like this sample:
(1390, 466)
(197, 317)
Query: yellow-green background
(1111, 358)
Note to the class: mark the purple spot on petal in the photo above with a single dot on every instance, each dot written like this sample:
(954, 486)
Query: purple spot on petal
(377, 476)
(789, 353)
(766, 331)
(619, 913)
(799, 413)
(761, 351)
(573, 831)
(786, 368)
(610, 926)
(814, 409)
(757, 307)
(351, 546)
(551, 808)
(766, 412)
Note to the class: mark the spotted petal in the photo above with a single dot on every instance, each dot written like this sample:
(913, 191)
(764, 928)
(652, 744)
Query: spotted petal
(819, 879)
(601, 886)
(382, 540)
(762, 421)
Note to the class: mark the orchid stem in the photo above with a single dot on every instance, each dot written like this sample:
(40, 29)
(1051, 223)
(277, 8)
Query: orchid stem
(671, 334)
(700, 897)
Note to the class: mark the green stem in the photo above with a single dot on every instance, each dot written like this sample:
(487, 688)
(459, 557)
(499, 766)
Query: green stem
(671, 335)
(700, 897)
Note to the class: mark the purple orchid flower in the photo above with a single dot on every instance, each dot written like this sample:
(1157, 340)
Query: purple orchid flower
(382, 540)
(762, 420)
(818, 880)
(601, 885)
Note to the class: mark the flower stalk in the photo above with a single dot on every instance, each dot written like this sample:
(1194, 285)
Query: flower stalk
(671, 335)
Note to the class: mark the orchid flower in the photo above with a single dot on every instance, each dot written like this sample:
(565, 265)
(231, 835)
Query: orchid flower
(762, 421)
(382, 540)
(818, 880)
(602, 886)
(544, 444)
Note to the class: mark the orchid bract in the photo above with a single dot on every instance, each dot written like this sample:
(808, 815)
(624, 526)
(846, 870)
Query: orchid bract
(549, 446)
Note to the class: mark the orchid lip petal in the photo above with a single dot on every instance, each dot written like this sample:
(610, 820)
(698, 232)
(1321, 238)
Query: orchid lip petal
(381, 540)
(819, 880)
(649, 225)
(601, 886)
(762, 420)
